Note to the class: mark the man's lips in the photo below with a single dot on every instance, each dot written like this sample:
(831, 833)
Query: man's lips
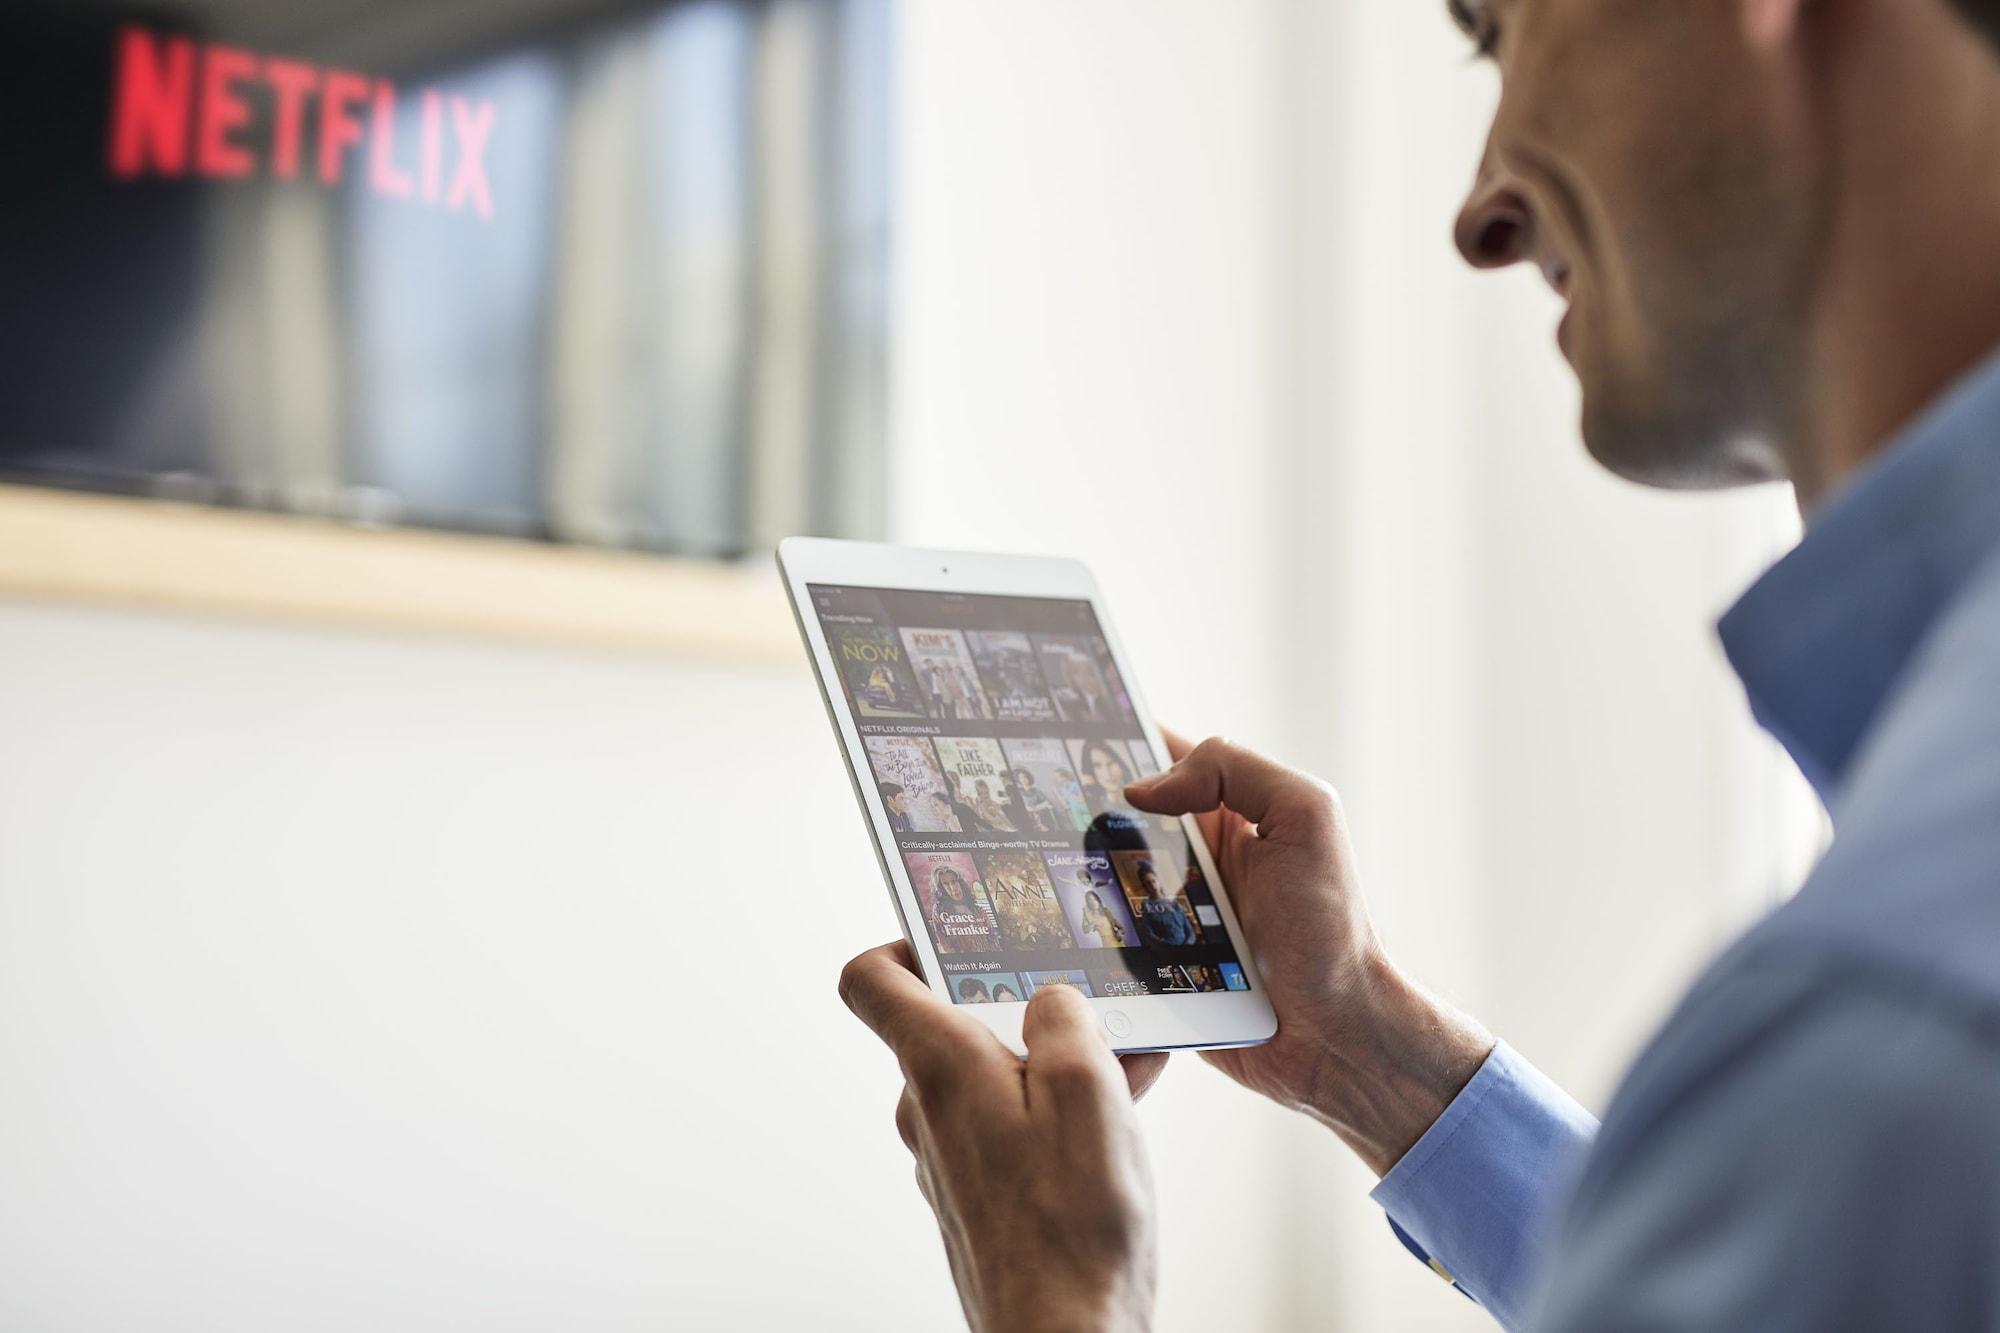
(1556, 273)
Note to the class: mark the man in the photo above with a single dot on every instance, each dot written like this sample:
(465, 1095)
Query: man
(1775, 223)
(897, 802)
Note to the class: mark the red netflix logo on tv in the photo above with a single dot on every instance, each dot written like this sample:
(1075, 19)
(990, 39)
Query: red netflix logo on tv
(185, 108)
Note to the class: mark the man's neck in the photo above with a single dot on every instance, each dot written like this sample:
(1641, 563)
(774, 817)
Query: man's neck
(1910, 300)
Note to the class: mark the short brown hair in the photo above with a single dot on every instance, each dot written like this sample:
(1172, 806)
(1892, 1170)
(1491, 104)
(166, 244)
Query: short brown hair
(1983, 15)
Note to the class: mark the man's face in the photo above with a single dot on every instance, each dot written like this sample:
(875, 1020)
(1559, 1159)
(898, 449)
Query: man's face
(1664, 173)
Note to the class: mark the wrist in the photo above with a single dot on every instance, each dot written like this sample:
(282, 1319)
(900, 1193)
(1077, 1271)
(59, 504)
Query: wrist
(1073, 1302)
(1051, 1313)
(1393, 1059)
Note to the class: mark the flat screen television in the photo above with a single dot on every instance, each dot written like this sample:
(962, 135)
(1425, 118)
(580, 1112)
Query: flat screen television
(586, 270)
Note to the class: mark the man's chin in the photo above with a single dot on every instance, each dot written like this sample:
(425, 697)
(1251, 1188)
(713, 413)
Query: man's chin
(1664, 448)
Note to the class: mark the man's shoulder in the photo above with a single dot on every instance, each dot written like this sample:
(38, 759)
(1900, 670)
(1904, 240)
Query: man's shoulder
(1807, 1146)
(1775, 1032)
(1784, 996)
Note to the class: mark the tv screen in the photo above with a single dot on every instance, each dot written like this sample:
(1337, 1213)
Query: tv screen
(580, 269)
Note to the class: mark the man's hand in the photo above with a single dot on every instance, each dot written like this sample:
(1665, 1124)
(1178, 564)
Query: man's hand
(1359, 1046)
(1034, 1167)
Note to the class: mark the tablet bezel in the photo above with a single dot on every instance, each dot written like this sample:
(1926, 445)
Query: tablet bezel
(1210, 1019)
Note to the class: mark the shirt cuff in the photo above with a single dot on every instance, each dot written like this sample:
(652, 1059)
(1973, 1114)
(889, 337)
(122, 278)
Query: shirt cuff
(1476, 1197)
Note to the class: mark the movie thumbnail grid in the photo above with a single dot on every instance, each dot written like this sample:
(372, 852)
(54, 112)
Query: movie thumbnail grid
(1000, 757)
(1009, 786)
(1097, 921)
(1023, 901)
(965, 675)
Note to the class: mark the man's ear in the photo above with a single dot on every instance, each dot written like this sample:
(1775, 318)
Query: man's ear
(1771, 23)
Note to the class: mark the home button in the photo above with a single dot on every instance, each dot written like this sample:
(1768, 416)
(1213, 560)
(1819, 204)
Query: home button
(1116, 1023)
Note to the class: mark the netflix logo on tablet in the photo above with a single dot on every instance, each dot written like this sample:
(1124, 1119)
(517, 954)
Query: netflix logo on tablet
(185, 108)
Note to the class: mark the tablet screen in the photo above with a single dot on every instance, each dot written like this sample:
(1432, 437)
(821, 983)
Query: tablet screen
(1000, 738)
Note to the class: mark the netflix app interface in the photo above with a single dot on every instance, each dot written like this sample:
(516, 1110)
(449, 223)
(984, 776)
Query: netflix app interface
(1000, 739)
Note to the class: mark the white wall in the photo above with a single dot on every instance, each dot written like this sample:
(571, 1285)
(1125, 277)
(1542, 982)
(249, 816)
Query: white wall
(352, 980)
(376, 983)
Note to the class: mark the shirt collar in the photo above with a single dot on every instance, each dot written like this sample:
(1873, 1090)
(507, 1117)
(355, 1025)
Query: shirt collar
(1822, 639)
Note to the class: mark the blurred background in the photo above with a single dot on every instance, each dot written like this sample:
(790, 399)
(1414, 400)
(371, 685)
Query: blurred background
(366, 960)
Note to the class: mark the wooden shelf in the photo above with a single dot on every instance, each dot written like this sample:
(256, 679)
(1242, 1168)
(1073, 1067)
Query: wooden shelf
(106, 550)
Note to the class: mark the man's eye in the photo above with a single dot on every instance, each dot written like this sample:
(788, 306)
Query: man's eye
(1485, 37)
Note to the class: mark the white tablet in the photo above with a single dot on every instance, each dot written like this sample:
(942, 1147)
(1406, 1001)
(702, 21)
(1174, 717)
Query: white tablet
(990, 721)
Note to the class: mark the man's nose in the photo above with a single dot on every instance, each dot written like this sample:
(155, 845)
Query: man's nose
(1495, 228)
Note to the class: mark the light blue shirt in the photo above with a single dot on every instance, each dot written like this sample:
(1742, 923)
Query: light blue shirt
(1813, 1140)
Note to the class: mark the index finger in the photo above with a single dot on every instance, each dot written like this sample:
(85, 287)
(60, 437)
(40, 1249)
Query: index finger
(931, 1042)
(1222, 774)
(883, 989)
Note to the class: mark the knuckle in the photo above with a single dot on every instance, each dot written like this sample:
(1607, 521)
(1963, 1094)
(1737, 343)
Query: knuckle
(1211, 751)
(1332, 810)
(932, 1071)
(853, 979)
(924, 1072)
(1072, 1075)
(1315, 800)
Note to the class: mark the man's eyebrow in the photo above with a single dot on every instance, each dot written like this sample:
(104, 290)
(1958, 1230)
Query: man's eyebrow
(1462, 15)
